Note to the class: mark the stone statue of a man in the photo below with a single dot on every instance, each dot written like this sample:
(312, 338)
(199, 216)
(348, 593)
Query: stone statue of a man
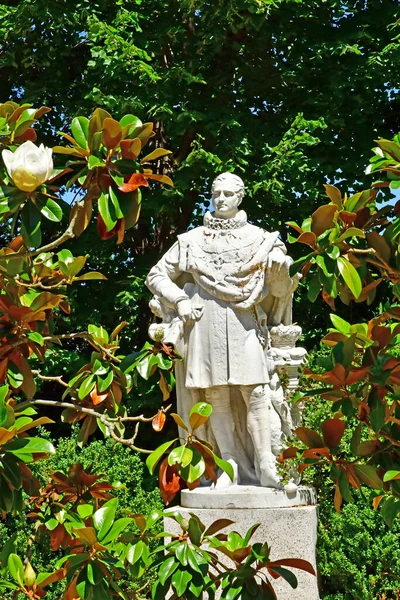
(219, 290)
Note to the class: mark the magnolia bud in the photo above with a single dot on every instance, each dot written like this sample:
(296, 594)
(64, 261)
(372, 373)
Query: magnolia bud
(29, 166)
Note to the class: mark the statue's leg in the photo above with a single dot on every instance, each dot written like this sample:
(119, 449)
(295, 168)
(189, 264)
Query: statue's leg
(222, 426)
(259, 416)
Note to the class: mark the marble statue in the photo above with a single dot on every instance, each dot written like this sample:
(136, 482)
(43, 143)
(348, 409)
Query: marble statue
(224, 294)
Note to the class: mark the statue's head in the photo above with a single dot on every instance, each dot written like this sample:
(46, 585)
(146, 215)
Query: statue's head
(227, 193)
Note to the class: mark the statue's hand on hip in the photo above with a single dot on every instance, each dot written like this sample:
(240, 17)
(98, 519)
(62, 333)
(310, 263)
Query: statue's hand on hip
(188, 312)
(278, 263)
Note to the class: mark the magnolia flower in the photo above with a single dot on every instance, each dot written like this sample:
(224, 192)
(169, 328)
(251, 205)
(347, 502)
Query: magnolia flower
(29, 166)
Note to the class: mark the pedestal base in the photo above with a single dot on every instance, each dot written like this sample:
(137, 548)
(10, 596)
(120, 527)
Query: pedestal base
(247, 496)
(290, 532)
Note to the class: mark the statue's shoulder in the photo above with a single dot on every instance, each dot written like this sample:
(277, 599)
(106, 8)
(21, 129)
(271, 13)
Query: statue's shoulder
(193, 235)
(259, 232)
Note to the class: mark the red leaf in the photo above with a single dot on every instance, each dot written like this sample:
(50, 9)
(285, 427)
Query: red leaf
(338, 499)
(96, 397)
(332, 431)
(308, 238)
(134, 182)
(169, 481)
(102, 229)
(329, 300)
(159, 421)
(288, 453)
(381, 334)
(316, 452)
(356, 375)
(322, 219)
(295, 563)
(28, 135)
(309, 437)
(347, 217)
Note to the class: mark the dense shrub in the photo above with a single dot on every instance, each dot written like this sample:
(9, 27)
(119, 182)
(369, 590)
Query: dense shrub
(358, 555)
(138, 494)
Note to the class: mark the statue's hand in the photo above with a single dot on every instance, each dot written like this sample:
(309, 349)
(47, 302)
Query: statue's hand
(277, 260)
(188, 312)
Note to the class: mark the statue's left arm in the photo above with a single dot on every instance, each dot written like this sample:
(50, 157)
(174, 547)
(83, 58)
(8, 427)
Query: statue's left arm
(161, 278)
(278, 266)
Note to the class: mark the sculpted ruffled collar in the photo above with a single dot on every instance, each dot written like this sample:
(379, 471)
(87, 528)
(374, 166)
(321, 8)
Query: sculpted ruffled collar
(213, 222)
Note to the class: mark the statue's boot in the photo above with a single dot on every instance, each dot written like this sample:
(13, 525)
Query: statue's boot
(222, 426)
(268, 472)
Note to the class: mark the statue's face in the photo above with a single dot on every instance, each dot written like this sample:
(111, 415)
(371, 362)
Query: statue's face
(225, 199)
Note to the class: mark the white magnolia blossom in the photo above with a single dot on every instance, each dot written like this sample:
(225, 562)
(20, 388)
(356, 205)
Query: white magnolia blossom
(29, 166)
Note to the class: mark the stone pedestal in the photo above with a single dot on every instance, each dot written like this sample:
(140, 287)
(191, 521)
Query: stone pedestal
(289, 525)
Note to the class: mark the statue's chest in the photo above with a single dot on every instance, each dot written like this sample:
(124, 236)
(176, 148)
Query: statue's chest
(222, 253)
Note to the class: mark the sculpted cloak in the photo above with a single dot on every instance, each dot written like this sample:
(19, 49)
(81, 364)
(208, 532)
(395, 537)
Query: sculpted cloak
(223, 267)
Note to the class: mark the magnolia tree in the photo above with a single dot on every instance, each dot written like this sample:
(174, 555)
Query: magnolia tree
(352, 248)
(99, 552)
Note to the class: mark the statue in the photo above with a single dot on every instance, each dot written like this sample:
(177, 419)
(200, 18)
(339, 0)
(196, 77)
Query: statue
(220, 291)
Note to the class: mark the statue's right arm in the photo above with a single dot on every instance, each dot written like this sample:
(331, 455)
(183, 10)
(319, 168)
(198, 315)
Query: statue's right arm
(161, 278)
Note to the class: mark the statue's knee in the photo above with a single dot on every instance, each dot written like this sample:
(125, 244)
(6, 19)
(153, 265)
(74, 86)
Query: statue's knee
(219, 399)
(259, 398)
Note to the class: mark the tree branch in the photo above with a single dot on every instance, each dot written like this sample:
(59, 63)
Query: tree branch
(109, 422)
(49, 378)
(86, 336)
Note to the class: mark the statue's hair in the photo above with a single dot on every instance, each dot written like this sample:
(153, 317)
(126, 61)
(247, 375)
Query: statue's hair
(235, 179)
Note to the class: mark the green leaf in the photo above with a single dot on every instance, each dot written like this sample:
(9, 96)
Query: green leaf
(390, 510)
(350, 276)
(36, 337)
(199, 414)
(287, 575)
(30, 225)
(104, 383)
(80, 131)
(85, 510)
(116, 529)
(182, 455)
(115, 200)
(333, 252)
(130, 120)
(145, 365)
(389, 475)
(378, 412)
(86, 387)
(351, 232)
(297, 265)
(225, 466)
(104, 517)
(181, 553)
(314, 288)
(24, 448)
(94, 573)
(104, 210)
(194, 531)
(50, 209)
(167, 568)
(94, 162)
(179, 421)
(155, 456)
(195, 469)
(11, 471)
(16, 568)
(92, 276)
(180, 580)
(340, 324)
(368, 475)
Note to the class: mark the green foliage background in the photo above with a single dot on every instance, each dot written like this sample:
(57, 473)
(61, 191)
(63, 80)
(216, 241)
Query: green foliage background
(290, 94)
(139, 493)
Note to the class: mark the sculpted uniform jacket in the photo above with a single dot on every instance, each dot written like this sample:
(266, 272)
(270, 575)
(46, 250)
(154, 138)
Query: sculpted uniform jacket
(223, 267)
